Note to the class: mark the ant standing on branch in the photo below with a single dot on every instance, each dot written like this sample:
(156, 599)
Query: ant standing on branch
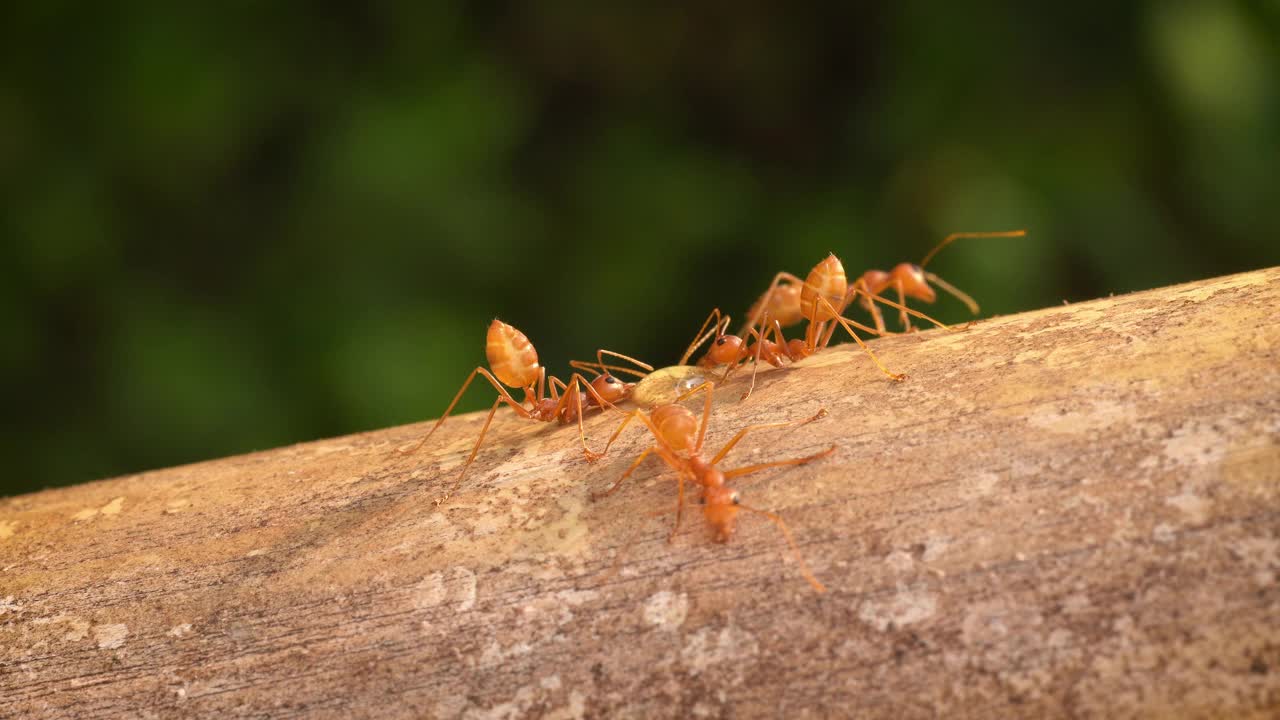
(515, 364)
(679, 435)
(822, 297)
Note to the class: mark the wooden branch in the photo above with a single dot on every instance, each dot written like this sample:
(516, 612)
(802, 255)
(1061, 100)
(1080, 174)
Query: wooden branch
(1069, 512)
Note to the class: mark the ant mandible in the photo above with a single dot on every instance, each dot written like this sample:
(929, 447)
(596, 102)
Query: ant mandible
(515, 364)
(678, 435)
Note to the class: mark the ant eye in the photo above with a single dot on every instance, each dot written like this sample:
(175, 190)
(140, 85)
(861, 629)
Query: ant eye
(611, 379)
(721, 340)
(734, 498)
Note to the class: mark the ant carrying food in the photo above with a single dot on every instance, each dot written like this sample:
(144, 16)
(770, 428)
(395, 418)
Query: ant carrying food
(515, 364)
(678, 435)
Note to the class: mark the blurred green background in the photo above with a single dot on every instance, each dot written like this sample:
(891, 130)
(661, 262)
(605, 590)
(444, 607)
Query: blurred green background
(237, 226)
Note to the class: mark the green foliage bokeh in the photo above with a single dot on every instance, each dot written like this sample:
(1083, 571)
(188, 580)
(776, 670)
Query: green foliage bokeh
(242, 225)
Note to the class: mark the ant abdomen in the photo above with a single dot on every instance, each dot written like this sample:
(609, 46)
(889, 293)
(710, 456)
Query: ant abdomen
(511, 355)
(677, 425)
(826, 280)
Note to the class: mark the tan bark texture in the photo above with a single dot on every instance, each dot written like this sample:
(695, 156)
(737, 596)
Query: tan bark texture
(1073, 512)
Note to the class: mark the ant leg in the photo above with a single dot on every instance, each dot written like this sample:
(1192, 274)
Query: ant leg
(504, 396)
(902, 313)
(871, 298)
(822, 333)
(728, 370)
(557, 382)
(955, 292)
(623, 426)
(795, 549)
(625, 475)
(573, 394)
(755, 359)
(781, 341)
(813, 329)
(826, 336)
(761, 338)
(682, 468)
(860, 287)
(739, 472)
(666, 453)
(846, 325)
(601, 402)
(541, 390)
(762, 426)
(679, 507)
(471, 458)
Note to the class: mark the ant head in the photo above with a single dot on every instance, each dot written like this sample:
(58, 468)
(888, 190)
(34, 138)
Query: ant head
(914, 283)
(876, 281)
(724, 350)
(720, 508)
(611, 388)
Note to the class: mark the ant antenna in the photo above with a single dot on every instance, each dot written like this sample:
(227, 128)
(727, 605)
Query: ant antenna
(721, 325)
(957, 236)
(795, 549)
(956, 292)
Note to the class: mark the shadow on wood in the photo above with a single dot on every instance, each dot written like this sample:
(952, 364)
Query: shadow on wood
(1074, 511)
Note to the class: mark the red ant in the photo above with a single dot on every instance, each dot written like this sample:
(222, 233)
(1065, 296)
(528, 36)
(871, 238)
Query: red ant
(909, 280)
(679, 435)
(515, 363)
(821, 299)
